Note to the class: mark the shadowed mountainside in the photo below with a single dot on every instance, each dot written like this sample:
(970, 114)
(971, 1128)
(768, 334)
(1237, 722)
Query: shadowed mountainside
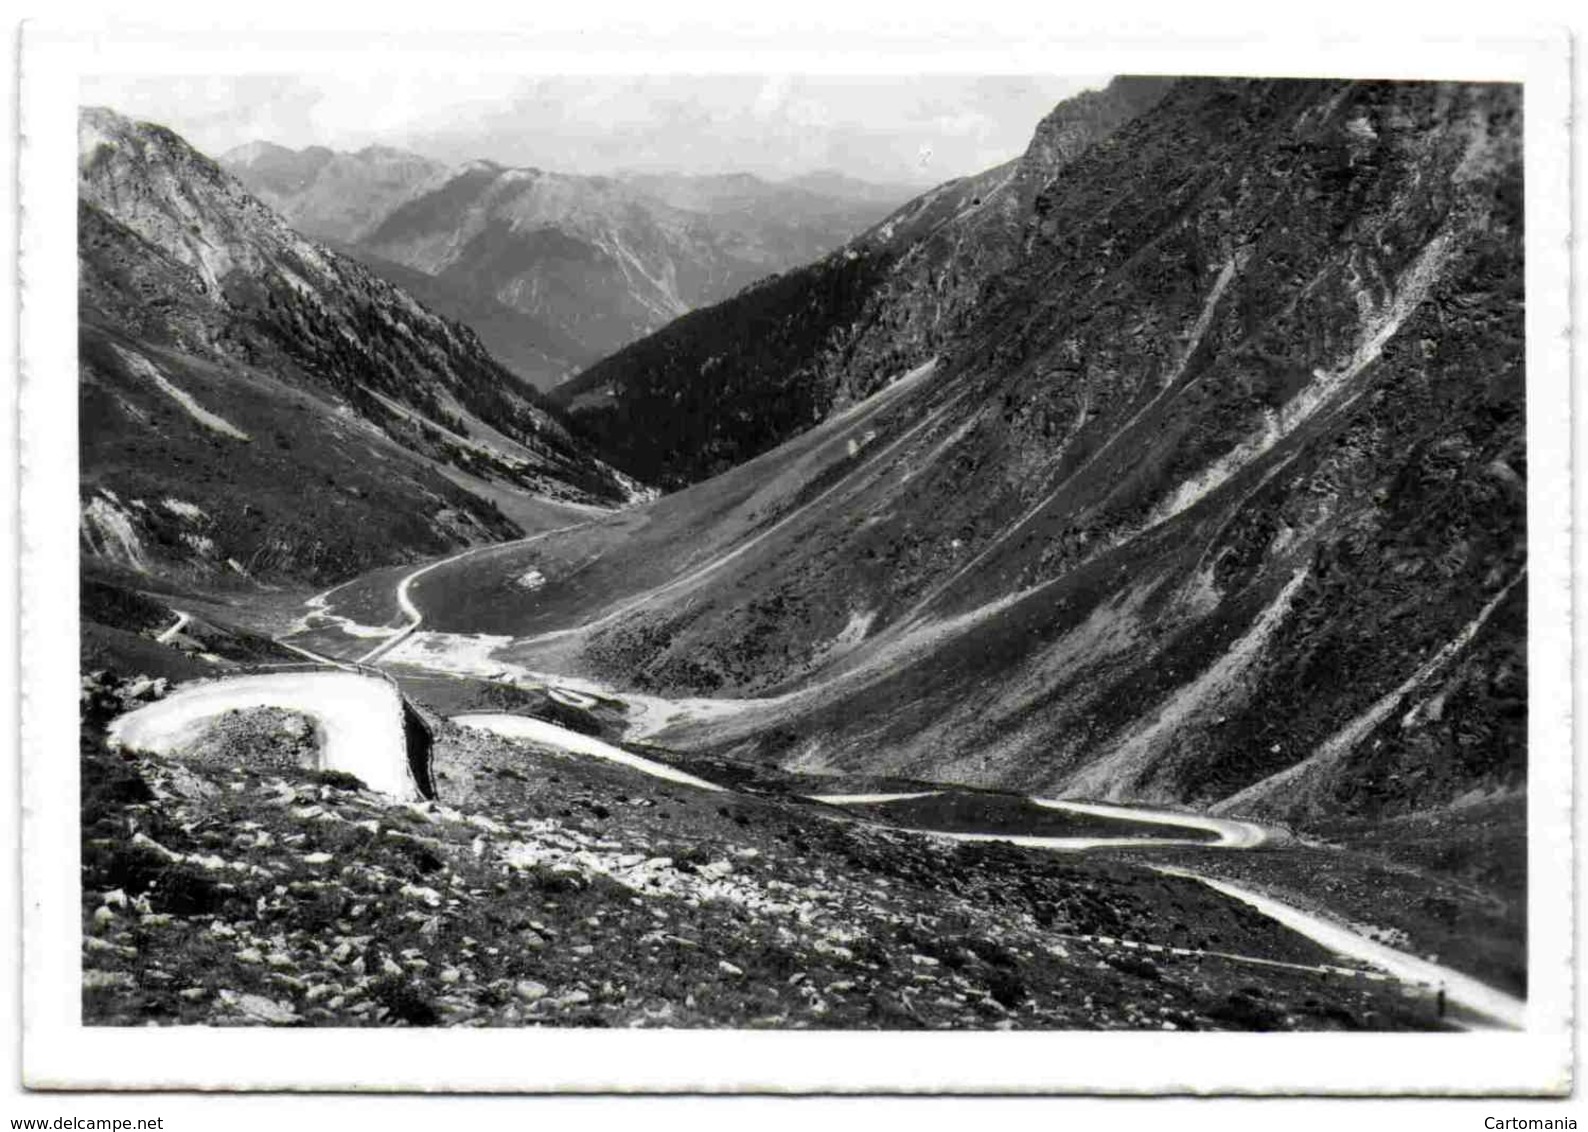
(256, 406)
(724, 384)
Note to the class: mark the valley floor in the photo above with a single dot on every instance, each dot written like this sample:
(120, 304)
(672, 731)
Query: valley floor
(572, 876)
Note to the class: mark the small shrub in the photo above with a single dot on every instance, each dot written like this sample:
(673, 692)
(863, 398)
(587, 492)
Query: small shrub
(1133, 965)
(867, 950)
(186, 890)
(319, 912)
(990, 952)
(770, 961)
(1007, 988)
(407, 1003)
(690, 859)
(1242, 1011)
(338, 780)
(886, 1014)
(1333, 1012)
(108, 785)
(568, 716)
(130, 868)
(550, 883)
(423, 859)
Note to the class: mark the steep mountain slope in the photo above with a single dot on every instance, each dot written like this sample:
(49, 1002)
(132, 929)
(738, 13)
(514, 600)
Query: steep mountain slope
(727, 383)
(772, 225)
(1213, 495)
(535, 350)
(339, 198)
(256, 405)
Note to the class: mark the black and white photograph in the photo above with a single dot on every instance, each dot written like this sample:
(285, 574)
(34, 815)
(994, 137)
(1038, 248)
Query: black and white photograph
(788, 558)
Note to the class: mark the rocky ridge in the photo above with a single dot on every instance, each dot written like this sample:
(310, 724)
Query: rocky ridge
(326, 194)
(725, 384)
(255, 405)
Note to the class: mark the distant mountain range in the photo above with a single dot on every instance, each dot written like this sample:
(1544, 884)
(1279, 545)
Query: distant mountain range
(255, 405)
(326, 194)
(556, 271)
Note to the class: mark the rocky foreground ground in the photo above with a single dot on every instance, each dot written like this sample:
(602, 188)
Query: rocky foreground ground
(551, 890)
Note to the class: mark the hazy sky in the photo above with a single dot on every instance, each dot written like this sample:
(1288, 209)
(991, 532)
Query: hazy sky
(895, 128)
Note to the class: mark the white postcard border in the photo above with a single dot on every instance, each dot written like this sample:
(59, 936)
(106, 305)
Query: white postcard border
(61, 1053)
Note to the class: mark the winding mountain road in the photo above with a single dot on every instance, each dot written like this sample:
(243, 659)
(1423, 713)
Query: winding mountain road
(696, 574)
(1232, 833)
(1503, 1010)
(359, 724)
(358, 720)
(869, 799)
(1494, 1007)
(539, 731)
(167, 635)
(1478, 999)
(412, 613)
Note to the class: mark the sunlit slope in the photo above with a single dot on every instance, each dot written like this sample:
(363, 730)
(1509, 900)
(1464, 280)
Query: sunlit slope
(683, 546)
(1219, 497)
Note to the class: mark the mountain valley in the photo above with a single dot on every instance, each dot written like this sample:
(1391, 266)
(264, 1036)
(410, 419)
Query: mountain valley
(1132, 558)
(903, 622)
